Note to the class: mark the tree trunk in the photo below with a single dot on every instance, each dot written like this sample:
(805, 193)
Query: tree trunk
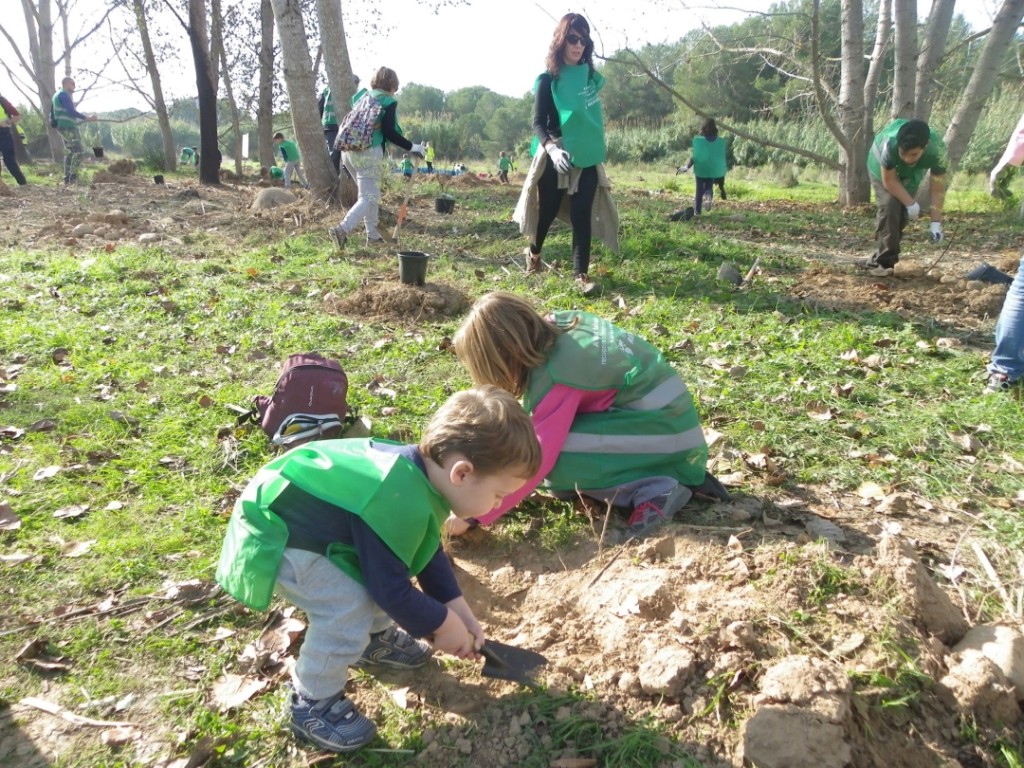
(219, 57)
(905, 13)
(162, 118)
(983, 79)
(940, 18)
(265, 107)
(882, 31)
(206, 89)
(854, 188)
(39, 23)
(298, 79)
(335, 52)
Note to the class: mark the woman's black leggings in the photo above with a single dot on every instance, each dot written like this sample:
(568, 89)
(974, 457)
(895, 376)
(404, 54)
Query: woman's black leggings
(580, 207)
(705, 187)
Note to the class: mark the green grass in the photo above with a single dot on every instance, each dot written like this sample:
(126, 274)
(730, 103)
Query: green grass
(159, 341)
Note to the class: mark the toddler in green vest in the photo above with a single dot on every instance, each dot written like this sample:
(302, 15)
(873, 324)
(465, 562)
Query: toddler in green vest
(339, 527)
(709, 165)
(292, 160)
(615, 421)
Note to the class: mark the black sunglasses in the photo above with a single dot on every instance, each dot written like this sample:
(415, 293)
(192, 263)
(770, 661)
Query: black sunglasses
(577, 40)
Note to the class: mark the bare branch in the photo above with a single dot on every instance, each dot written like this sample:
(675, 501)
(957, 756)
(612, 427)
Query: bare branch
(819, 91)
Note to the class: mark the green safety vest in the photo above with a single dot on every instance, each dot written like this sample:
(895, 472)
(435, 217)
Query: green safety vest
(289, 151)
(188, 156)
(386, 100)
(709, 158)
(651, 428)
(504, 163)
(64, 120)
(575, 92)
(330, 116)
(933, 159)
(390, 493)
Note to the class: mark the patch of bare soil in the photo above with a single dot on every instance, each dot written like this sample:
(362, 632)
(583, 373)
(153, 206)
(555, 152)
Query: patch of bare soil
(801, 631)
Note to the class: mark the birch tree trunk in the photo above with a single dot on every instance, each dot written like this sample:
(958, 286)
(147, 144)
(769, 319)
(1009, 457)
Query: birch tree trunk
(159, 106)
(39, 23)
(335, 52)
(265, 104)
(983, 79)
(299, 80)
(882, 31)
(219, 59)
(905, 17)
(940, 18)
(854, 187)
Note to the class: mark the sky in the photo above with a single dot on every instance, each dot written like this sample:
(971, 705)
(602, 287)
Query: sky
(499, 44)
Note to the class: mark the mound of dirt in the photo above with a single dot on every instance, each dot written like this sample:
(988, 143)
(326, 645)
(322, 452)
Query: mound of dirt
(398, 301)
(124, 167)
(271, 198)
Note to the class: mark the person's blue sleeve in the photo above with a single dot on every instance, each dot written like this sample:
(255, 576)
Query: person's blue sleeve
(387, 580)
(69, 106)
(438, 578)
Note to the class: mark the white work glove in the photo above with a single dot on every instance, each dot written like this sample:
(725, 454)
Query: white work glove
(559, 157)
(419, 149)
(936, 228)
(913, 211)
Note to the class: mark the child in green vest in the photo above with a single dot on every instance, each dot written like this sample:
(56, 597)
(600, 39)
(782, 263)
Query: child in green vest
(709, 165)
(292, 160)
(407, 166)
(615, 421)
(504, 165)
(339, 527)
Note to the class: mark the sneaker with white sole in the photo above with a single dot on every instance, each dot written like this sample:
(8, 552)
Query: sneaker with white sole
(997, 382)
(394, 647)
(651, 513)
(333, 723)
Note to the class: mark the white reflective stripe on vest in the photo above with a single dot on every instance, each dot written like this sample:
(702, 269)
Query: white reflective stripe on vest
(659, 397)
(582, 442)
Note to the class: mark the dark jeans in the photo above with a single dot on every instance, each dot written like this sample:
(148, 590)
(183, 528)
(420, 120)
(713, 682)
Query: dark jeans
(10, 159)
(580, 207)
(705, 189)
(330, 134)
(890, 222)
(720, 183)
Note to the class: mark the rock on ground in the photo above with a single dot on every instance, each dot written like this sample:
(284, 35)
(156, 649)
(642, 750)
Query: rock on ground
(271, 198)
(978, 688)
(1003, 646)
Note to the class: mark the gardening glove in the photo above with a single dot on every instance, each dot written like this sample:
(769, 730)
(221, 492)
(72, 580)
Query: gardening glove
(559, 157)
(419, 149)
(913, 211)
(936, 228)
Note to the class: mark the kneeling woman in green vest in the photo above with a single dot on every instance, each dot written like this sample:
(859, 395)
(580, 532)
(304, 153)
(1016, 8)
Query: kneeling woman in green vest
(615, 421)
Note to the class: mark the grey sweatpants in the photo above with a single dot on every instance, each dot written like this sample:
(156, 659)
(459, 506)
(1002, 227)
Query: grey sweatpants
(341, 617)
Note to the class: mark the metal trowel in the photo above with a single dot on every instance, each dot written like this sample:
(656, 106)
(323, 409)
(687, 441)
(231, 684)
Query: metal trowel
(506, 662)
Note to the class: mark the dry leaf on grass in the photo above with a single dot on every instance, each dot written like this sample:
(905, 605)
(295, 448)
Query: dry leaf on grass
(9, 521)
(230, 691)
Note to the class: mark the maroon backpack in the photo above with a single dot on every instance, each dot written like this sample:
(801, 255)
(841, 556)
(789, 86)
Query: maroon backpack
(309, 401)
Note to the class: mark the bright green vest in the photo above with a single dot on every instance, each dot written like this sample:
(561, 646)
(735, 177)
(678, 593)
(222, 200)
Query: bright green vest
(651, 429)
(390, 493)
(934, 157)
(289, 151)
(709, 158)
(330, 116)
(579, 112)
(64, 120)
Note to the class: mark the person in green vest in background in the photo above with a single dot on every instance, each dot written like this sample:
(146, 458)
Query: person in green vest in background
(615, 421)
(340, 528)
(709, 165)
(900, 156)
(65, 118)
(329, 120)
(504, 165)
(9, 117)
(292, 160)
(189, 156)
(428, 156)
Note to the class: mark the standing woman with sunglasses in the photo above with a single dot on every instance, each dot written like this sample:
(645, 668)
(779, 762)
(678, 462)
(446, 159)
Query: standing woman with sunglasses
(567, 180)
